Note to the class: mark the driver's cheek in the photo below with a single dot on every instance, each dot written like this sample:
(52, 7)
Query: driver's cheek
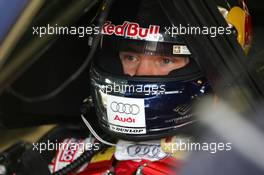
(167, 69)
(130, 68)
(163, 69)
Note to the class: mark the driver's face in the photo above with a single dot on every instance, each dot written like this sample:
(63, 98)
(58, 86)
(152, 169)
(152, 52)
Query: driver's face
(135, 64)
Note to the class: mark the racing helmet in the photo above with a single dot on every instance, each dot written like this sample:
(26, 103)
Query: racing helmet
(143, 107)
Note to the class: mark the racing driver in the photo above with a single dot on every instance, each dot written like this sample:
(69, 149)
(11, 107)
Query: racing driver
(144, 83)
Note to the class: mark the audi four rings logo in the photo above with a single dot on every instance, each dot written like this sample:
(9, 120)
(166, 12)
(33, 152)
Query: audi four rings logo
(125, 108)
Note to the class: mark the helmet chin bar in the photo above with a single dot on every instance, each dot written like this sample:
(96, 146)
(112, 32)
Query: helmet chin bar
(127, 109)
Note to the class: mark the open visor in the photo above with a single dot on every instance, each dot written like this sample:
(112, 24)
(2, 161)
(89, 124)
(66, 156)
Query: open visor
(111, 48)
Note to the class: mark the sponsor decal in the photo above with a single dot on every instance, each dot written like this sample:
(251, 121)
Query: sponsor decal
(127, 130)
(124, 108)
(148, 150)
(131, 30)
(69, 150)
(180, 50)
(127, 112)
(182, 109)
(69, 153)
(128, 120)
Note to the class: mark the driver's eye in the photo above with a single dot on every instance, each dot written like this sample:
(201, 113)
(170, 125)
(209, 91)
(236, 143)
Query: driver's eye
(129, 58)
(166, 61)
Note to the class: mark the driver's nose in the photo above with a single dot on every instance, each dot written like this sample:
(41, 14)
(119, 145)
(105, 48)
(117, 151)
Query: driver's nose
(146, 66)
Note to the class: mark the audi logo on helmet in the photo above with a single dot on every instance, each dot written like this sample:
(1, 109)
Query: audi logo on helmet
(125, 108)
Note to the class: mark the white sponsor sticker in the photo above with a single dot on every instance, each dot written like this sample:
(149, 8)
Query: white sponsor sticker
(127, 112)
(149, 150)
(127, 130)
(180, 50)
